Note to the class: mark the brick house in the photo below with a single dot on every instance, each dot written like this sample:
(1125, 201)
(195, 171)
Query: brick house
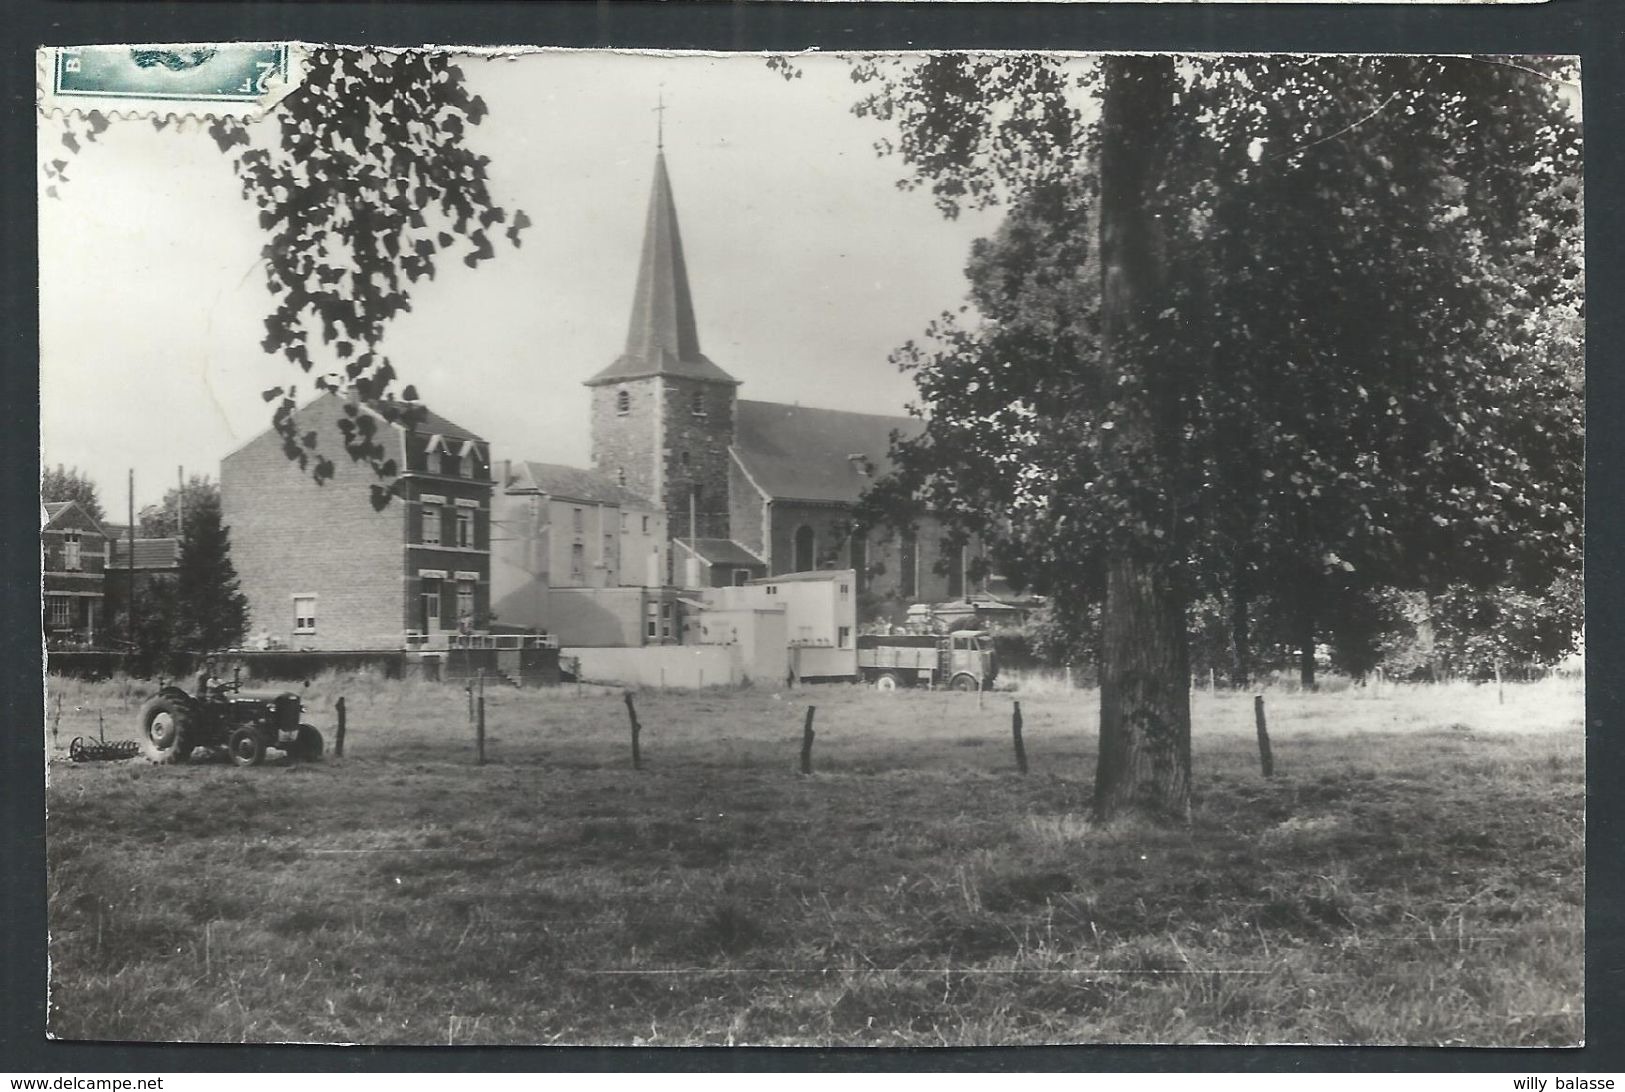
(73, 567)
(751, 489)
(323, 569)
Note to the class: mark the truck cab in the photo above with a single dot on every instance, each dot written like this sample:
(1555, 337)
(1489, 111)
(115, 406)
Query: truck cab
(971, 663)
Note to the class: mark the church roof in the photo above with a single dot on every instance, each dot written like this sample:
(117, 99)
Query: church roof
(662, 338)
(801, 453)
(575, 483)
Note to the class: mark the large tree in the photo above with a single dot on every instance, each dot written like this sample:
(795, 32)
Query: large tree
(64, 483)
(167, 518)
(1270, 323)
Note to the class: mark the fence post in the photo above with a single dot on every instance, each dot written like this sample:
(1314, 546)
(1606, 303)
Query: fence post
(1015, 733)
(479, 723)
(1500, 695)
(632, 715)
(807, 741)
(338, 736)
(1265, 758)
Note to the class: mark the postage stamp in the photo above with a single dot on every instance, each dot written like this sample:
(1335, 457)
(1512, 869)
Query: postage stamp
(228, 79)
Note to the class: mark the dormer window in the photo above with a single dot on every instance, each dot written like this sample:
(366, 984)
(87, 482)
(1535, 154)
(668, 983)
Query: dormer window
(623, 402)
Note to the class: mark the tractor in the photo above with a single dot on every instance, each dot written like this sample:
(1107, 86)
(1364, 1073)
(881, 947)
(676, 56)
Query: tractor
(222, 715)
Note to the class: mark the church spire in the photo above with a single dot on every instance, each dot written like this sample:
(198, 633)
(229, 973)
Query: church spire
(662, 338)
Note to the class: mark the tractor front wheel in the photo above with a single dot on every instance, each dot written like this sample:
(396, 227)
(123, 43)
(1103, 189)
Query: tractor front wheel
(246, 747)
(307, 747)
(165, 730)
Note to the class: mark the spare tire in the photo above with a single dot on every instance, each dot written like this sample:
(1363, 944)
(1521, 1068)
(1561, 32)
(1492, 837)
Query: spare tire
(165, 730)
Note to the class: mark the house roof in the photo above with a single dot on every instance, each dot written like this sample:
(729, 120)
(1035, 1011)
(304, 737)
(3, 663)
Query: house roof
(575, 483)
(150, 553)
(801, 453)
(68, 514)
(720, 551)
(662, 337)
(432, 424)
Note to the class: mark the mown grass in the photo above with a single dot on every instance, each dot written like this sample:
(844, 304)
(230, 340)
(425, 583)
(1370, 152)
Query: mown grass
(1413, 874)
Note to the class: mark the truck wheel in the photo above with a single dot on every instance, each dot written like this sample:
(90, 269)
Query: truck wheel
(164, 730)
(964, 682)
(307, 747)
(887, 680)
(246, 747)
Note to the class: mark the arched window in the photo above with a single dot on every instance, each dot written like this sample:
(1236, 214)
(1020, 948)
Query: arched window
(623, 402)
(697, 404)
(620, 475)
(805, 541)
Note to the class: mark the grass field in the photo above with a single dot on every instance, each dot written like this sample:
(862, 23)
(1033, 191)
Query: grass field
(1414, 873)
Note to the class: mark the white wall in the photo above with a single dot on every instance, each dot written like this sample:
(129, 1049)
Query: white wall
(672, 666)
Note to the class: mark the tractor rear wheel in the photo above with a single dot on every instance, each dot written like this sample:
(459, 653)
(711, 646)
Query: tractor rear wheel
(246, 747)
(165, 731)
(307, 747)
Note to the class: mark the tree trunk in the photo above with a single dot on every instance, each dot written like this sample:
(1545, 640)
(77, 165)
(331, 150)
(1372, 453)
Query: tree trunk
(1241, 660)
(1145, 754)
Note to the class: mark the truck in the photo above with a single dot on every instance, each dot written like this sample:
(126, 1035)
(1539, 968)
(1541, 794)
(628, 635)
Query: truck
(961, 660)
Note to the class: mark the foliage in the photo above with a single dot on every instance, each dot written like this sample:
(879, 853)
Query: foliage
(1372, 296)
(60, 483)
(364, 184)
(163, 520)
(211, 611)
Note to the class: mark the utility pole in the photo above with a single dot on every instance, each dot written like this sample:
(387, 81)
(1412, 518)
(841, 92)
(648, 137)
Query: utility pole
(180, 502)
(129, 540)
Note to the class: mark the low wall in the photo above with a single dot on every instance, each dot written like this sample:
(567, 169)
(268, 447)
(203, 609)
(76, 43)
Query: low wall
(284, 664)
(679, 666)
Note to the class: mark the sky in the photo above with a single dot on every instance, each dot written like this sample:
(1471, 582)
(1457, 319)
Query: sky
(808, 265)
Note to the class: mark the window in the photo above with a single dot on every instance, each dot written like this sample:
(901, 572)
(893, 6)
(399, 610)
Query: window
(431, 525)
(609, 549)
(623, 402)
(578, 559)
(651, 628)
(304, 614)
(843, 637)
(805, 541)
(465, 465)
(620, 476)
(697, 404)
(645, 524)
(70, 551)
(61, 612)
(430, 598)
(741, 577)
(465, 600)
(578, 520)
(682, 457)
(665, 620)
(846, 590)
(465, 528)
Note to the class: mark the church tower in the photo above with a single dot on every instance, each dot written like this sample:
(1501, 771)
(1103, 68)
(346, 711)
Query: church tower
(663, 413)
